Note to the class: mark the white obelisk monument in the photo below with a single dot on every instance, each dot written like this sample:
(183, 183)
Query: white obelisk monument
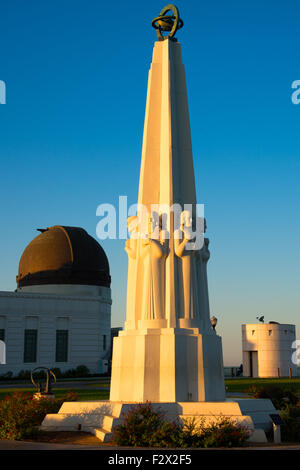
(168, 351)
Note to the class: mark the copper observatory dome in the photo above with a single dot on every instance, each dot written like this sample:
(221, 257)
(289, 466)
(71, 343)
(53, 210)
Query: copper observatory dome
(63, 255)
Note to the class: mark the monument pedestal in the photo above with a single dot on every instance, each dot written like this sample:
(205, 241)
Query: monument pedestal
(167, 365)
(100, 417)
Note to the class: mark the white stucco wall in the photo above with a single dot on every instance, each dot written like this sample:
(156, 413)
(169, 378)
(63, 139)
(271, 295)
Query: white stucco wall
(67, 289)
(271, 347)
(87, 318)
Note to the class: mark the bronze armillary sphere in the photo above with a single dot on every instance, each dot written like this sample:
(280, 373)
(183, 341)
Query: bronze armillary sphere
(166, 22)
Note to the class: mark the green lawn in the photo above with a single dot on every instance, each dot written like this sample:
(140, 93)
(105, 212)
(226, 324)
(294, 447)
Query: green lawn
(242, 384)
(83, 393)
(94, 391)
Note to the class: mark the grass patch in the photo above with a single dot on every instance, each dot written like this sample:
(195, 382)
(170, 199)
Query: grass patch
(83, 394)
(242, 384)
(95, 391)
(100, 385)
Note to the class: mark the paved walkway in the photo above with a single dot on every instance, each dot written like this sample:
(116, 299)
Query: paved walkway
(21, 445)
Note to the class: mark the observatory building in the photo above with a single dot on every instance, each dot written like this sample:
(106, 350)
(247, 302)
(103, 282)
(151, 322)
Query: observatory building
(60, 314)
(267, 350)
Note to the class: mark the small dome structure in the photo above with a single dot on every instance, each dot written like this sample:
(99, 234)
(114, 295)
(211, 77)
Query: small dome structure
(63, 255)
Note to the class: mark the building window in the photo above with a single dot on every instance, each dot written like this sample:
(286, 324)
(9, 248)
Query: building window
(61, 346)
(30, 345)
(104, 342)
(2, 334)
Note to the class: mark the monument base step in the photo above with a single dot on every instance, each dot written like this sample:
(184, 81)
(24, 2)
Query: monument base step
(101, 434)
(100, 417)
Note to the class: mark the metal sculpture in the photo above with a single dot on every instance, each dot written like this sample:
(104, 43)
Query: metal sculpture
(165, 22)
(39, 385)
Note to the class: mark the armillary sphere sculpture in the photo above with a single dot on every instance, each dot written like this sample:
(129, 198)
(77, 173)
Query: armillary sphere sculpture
(39, 385)
(166, 22)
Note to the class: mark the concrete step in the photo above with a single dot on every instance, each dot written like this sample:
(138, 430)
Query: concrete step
(101, 434)
(110, 422)
(259, 410)
(73, 422)
(94, 407)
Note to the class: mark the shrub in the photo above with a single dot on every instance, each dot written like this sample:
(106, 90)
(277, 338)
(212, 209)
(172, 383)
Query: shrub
(82, 371)
(144, 427)
(20, 414)
(7, 376)
(192, 433)
(24, 374)
(290, 430)
(224, 432)
(279, 395)
(57, 372)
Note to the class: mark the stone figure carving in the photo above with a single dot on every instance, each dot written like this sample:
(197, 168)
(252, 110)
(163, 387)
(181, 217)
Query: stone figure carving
(154, 250)
(202, 257)
(131, 243)
(205, 258)
(131, 250)
(188, 273)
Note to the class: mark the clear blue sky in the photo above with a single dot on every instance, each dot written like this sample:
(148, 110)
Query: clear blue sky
(71, 137)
